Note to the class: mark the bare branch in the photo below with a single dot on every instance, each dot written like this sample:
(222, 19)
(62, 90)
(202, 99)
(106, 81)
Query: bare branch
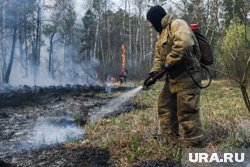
(245, 97)
(229, 76)
(227, 69)
(150, 53)
(244, 78)
(178, 6)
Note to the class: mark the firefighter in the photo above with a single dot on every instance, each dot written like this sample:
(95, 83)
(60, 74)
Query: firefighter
(176, 50)
(123, 76)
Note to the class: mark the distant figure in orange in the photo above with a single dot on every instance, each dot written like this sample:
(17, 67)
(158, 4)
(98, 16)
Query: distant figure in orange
(123, 76)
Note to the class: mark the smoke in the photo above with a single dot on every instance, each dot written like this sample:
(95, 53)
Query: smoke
(68, 66)
(80, 9)
(84, 73)
(114, 105)
(69, 72)
(19, 76)
(47, 131)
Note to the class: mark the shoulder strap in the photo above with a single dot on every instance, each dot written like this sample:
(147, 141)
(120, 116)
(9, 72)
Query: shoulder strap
(169, 28)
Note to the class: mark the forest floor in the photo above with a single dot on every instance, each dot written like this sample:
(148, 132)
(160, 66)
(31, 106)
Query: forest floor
(124, 139)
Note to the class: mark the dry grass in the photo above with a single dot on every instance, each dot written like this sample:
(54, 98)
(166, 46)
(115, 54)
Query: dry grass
(129, 139)
(224, 115)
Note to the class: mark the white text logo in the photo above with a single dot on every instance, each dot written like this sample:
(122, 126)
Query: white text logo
(214, 157)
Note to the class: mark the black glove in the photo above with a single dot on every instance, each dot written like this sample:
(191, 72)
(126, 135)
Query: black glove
(168, 66)
(150, 81)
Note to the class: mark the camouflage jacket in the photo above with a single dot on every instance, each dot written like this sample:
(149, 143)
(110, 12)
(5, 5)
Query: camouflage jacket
(177, 45)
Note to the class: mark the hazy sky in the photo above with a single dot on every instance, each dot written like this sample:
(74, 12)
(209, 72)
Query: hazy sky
(82, 5)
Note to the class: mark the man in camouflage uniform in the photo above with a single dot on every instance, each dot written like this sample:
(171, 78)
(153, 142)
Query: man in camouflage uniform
(176, 50)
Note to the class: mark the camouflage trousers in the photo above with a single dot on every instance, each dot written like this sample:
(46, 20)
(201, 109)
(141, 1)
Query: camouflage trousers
(181, 108)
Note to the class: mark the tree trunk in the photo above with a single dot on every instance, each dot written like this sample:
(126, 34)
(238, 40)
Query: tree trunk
(245, 97)
(3, 57)
(244, 84)
(37, 43)
(38, 36)
(26, 48)
(3, 62)
(137, 41)
(7, 75)
(124, 17)
(109, 45)
(21, 50)
(130, 38)
(96, 35)
(102, 53)
(50, 55)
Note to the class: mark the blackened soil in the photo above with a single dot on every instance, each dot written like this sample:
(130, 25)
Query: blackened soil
(21, 108)
(25, 95)
(61, 156)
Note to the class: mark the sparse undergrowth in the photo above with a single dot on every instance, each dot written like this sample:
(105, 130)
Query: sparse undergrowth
(129, 138)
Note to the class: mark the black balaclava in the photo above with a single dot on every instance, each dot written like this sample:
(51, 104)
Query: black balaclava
(154, 15)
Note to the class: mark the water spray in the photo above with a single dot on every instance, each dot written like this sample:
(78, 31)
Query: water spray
(114, 105)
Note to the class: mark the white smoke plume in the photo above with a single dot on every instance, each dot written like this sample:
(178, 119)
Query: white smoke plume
(70, 72)
(45, 132)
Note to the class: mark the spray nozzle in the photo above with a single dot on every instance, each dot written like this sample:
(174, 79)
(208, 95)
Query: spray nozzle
(150, 81)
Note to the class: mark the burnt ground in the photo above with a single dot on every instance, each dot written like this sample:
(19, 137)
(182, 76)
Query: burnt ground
(60, 155)
(21, 108)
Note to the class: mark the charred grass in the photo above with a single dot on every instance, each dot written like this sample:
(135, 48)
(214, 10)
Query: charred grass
(128, 137)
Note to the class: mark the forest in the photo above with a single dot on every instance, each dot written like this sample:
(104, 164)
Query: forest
(50, 42)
